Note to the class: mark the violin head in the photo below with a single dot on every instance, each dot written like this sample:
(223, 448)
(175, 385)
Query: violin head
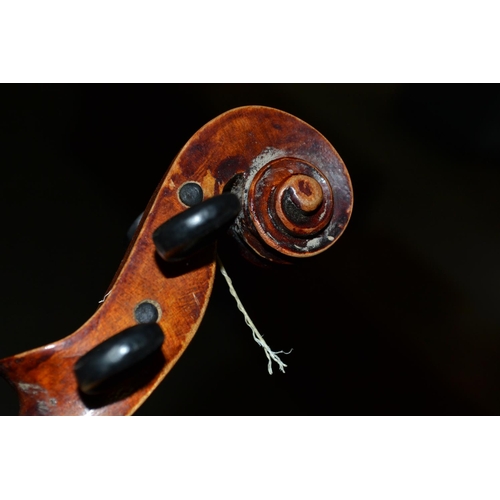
(265, 178)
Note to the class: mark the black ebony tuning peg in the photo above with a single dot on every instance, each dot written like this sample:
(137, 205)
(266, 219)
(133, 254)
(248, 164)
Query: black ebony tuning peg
(196, 227)
(116, 355)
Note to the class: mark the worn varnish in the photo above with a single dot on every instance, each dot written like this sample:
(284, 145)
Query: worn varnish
(296, 200)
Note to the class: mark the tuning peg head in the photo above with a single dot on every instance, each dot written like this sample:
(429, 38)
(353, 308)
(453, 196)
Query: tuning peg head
(195, 228)
(116, 355)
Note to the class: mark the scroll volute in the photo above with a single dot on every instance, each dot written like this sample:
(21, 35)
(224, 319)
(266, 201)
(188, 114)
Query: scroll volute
(295, 191)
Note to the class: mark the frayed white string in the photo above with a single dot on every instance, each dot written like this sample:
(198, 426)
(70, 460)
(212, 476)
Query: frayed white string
(271, 355)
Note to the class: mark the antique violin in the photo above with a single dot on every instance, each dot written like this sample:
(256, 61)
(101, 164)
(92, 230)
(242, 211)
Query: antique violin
(256, 174)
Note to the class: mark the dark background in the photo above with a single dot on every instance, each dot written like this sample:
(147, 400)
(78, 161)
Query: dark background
(399, 317)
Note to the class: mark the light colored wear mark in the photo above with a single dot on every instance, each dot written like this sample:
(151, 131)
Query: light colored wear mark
(104, 298)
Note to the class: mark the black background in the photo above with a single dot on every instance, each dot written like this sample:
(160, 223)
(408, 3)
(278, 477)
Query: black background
(399, 317)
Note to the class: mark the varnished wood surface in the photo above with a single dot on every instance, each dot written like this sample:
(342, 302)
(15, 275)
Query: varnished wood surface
(231, 145)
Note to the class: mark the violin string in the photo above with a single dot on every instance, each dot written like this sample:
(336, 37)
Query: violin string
(270, 354)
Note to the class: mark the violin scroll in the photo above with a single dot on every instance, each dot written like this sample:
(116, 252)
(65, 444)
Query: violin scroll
(261, 175)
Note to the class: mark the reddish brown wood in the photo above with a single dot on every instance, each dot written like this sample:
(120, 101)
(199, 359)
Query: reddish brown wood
(256, 151)
(306, 193)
